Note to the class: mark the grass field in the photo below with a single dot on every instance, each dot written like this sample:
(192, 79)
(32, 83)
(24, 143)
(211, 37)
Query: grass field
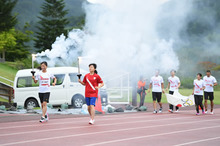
(7, 72)
(3, 100)
(185, 92)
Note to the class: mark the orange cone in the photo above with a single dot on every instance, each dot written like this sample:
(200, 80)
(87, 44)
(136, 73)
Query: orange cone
(98, 105)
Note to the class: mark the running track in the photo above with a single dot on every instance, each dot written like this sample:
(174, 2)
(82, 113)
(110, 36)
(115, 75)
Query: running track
(142, 128)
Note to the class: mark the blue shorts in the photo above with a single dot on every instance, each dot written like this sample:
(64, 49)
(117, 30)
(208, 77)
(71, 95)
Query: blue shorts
(90, 101)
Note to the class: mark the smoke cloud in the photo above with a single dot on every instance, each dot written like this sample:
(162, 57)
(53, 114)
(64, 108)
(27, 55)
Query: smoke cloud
(124, 35)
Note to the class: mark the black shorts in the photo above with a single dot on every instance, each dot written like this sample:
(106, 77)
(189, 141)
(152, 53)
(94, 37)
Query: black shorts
(209, 95)
(44, 97)
(157, 96)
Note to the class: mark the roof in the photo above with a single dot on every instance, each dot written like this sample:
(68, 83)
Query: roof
(54, 70)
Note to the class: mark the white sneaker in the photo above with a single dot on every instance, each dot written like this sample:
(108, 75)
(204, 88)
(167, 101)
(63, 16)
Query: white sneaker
(47, 117)
(177, 111)
(155, 112)
(212, 113)
(160, 110)
(91, 122)
(206, 112)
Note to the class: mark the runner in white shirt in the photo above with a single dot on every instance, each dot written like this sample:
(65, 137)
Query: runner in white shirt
(198, 88)
(44, 88)
(173, 84)
(209, 81)
(157, 85)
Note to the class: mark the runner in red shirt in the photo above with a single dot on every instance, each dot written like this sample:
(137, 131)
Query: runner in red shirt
(93, 82)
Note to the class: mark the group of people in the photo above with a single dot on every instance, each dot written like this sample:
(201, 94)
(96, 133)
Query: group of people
(92, 82)
(200, 87)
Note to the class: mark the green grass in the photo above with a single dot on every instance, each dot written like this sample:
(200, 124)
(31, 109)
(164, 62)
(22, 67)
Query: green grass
(8, 72)
(3, 100)
(185, 92)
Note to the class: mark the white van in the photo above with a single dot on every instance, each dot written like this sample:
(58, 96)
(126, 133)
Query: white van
(67, 89)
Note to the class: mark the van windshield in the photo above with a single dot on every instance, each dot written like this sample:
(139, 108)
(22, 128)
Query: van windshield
(28, 81)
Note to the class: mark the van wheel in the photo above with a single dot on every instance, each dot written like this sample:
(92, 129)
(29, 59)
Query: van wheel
(78, 101)
(31, 103)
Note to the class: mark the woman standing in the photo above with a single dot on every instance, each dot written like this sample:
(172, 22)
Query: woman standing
(93, 82)
(198, 88)
(44, 88)
(173, 84)
(141, 90)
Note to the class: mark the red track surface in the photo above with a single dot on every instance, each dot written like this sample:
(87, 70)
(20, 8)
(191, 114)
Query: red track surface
(144, 128)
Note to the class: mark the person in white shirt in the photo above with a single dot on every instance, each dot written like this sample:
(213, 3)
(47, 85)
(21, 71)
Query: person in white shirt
(198, 87)
(157, 85)
(210, 81)
(44, 88)
(173, 84)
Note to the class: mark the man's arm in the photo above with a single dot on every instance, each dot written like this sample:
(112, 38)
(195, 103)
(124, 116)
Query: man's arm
(162, 85)
(149, 87)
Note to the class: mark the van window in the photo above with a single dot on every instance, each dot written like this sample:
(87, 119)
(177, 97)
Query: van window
(74, 77)
(28, 81)
(60, 79)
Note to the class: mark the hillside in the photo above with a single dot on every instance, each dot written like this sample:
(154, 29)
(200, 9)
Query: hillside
(8, 72)
(28, 11)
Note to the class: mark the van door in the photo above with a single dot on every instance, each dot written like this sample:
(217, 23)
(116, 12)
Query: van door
(59, 91)
(75, 89)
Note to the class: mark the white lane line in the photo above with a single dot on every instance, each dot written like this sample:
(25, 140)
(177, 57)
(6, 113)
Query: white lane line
(73, 122)
(197, 141)
(78, 127)
(153, 135)
(118, 130)
(84, 116)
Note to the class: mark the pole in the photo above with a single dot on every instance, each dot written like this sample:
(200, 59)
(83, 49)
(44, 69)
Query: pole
(33, 72)
(79, 74)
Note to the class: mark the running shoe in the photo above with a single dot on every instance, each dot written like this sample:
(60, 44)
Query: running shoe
(160, 110)
(177, 111)
(47, 117)
(203, 112)
(42, 120)
(197, 114)
(91, 122)
(206, 112)
(155, 112)
(170, 110)
(212, 113)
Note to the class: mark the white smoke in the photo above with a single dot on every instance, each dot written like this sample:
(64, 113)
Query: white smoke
(121, 35)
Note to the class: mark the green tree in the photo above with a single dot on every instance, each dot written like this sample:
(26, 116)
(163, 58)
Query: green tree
(8, 20)
(52, 23)
(21, 49)
(7, 41)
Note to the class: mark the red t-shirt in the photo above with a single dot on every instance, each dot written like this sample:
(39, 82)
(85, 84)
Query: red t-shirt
(94, 80)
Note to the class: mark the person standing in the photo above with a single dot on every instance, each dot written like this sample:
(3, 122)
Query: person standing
(44, 88)
(209, 81)
(173, 84)
(92, 82)
(141, 90)
(198, 87)
(157, 85)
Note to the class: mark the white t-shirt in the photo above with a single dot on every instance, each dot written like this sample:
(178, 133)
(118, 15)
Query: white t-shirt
(209, 81)
(174, 81)
(156, 82)
(44, 81)
(198, 85)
